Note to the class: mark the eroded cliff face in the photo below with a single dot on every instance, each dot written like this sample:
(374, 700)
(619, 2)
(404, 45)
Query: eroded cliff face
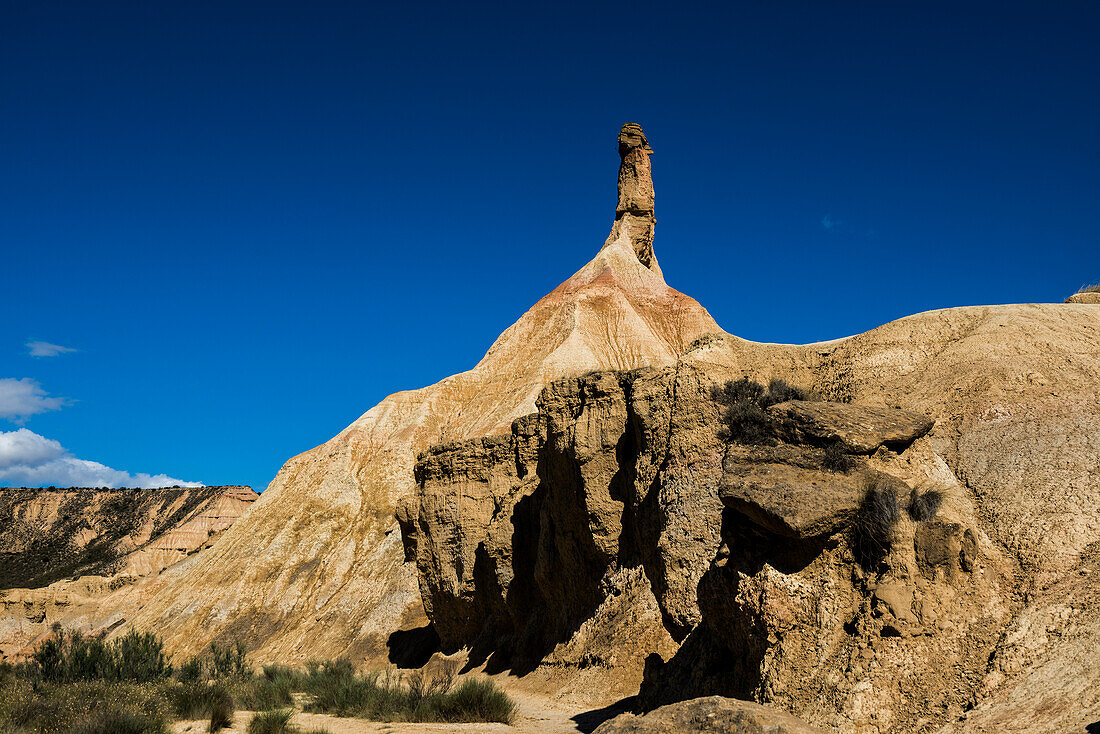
(317, 569)
(748, 550)
(753, 555)
(112, 537)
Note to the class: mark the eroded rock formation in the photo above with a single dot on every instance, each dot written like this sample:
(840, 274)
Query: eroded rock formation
(707, 567)
(751, 552)
(634, 214)
(317, 569)
(111, 536)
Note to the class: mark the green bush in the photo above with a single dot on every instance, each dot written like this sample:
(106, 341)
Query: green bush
(70, 656)
(229, 661)
(191, 671)
(336, 689)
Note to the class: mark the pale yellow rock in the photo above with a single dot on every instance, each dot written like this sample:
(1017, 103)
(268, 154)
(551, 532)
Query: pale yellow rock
(317, 567)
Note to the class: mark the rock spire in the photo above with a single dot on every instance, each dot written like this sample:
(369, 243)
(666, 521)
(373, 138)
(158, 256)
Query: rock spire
(634, 214)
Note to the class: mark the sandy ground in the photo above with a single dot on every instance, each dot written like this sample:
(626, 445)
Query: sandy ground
(536, 714)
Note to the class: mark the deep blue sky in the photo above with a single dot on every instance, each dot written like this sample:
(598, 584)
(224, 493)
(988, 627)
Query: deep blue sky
(255, 220)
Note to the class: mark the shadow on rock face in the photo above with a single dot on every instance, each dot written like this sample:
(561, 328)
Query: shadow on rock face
(413, 648)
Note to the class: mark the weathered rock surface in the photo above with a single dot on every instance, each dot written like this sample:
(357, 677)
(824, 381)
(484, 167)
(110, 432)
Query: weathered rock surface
(787, 491)
(710, 715)
(748, 551)
(1084, 297)
(858, 429)
(317, 569)
(113, 535)
(634, 218)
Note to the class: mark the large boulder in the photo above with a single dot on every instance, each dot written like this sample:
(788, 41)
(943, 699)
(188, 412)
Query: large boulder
(859, 429)
(709, 715)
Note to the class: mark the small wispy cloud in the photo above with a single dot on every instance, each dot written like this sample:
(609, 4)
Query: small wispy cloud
(30, 460)
(828, 223)
(22, 398)
(45, 349)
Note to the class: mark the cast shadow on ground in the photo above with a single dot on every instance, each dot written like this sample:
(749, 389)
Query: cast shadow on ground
(588, 721)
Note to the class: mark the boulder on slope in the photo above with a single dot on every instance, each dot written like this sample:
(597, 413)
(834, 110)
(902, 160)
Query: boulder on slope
(709, 715)
(860, 429)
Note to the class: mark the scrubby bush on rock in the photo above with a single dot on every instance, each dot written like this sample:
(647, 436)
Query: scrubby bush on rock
(744, 403)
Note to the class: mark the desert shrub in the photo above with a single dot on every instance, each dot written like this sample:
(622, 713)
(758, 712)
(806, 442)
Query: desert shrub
(140, 657)
(191, 671)
(200, 700)
(88, 707)
(221, 711)
(744, 402)
(70, 656)
(835, 458)
(264, 694)
(779, 391)
(1094, 288)
(924, 506)
(336, 689)
(272, 722)
(229, 661)
(472, 700)
(873, 529)
(121, 722)
(743, 417)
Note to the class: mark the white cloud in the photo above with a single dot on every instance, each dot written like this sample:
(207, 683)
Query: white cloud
(20, 399)
(30, 460)
(45, 349)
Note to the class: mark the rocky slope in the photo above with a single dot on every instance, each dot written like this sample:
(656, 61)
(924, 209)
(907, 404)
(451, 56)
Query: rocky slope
(317, 567)
(111, 536)
(752, 554)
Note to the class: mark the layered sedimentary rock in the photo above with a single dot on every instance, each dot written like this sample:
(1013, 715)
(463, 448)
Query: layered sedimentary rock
(317, 569)
(754, 555)
(634, 214)
(111, 536)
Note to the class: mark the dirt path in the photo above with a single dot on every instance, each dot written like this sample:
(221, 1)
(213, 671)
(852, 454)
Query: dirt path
(537, 714)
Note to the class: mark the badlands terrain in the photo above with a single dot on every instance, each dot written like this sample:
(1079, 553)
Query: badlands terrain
(907, 543)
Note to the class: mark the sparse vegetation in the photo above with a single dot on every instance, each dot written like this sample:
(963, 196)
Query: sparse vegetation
(835, 458)
(1094, 288)
(744, 403)
(82, 707)
(924, 506)
(337, 689)
(70, 656)
(873, 530)
(80, 685)
(276, 721)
